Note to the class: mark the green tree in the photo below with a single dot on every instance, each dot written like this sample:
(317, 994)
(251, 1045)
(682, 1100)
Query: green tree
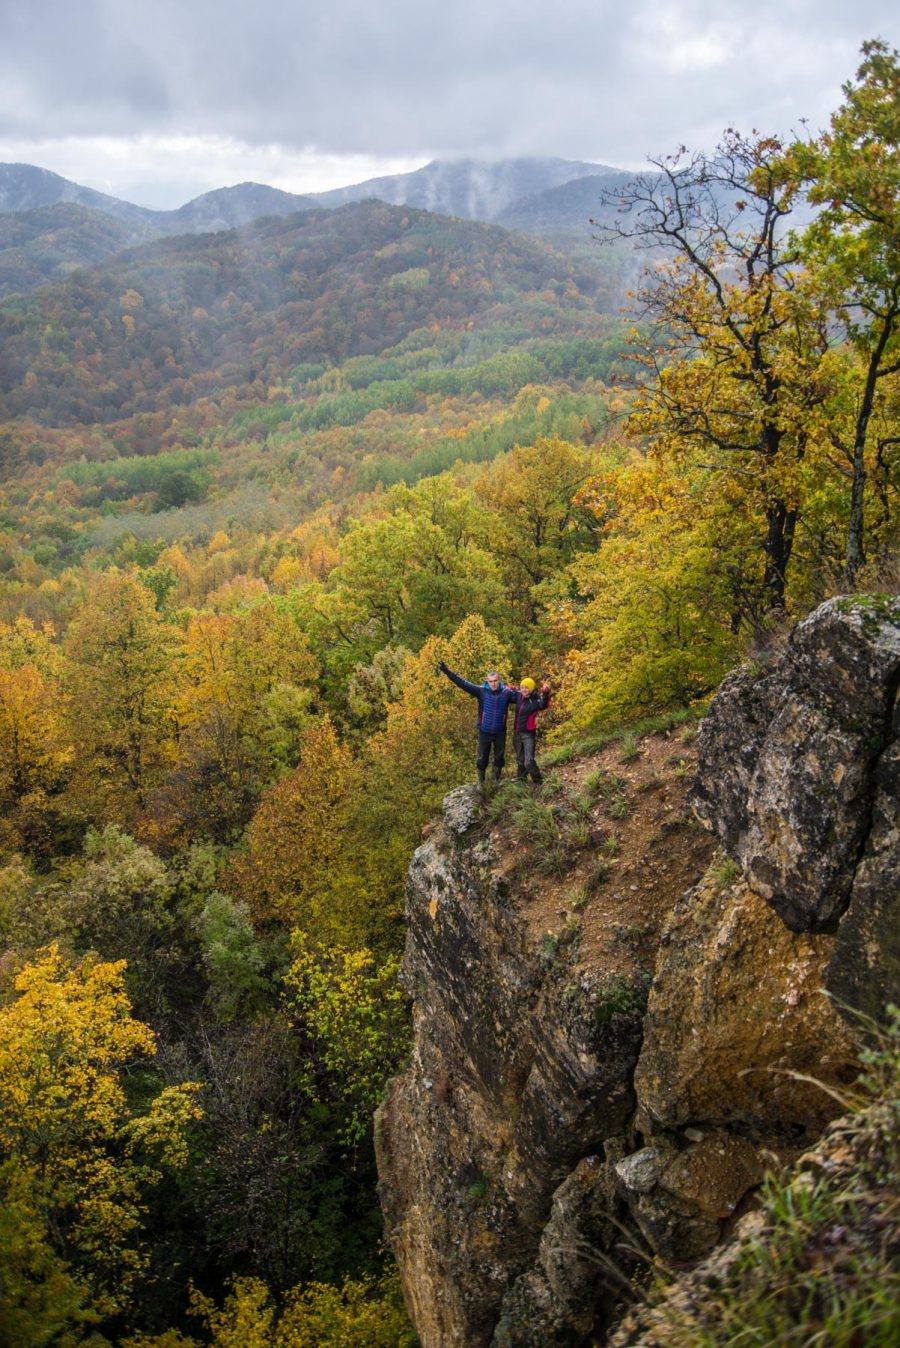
(118, 902)
(416, 567)
(234, 958)
(371, 688)
(535, 525)
(853, 175)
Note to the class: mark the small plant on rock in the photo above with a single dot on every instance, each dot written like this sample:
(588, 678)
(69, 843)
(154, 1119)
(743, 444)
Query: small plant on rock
(621, 996)
(629, 747)
(597, 875)
(578, 898)
(727, 871)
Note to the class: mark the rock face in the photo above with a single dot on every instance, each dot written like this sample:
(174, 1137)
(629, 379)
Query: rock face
(547, 1124)
(736, 1012)
(787, 758)
(514, 1080)
(555, 1301)
(864, 971)
(680, 1199)
(852, 1155)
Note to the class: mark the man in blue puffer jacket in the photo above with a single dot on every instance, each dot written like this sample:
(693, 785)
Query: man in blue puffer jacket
(494, 701)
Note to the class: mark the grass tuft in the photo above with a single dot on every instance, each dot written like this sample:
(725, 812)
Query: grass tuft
(821, 1263)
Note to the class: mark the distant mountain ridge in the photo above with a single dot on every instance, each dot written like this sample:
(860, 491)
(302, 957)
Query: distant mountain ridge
(567, 207)
(472, 189)
(469, 188)
(24, 187)
(230, 208)
(43, 245)
(50, 225)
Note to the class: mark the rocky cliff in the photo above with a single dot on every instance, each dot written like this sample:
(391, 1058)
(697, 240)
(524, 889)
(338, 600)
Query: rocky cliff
(617, 1030)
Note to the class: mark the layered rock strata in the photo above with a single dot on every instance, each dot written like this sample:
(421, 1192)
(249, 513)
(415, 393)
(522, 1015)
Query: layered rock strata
(516, 1077)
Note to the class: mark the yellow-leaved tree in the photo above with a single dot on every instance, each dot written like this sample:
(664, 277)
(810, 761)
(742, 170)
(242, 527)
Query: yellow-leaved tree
(240, 710)
(851, 172)
(361, 1313)
(35, 752)
(352, 1015)
(536, 522)
(654, 621)
(733, 384)
(77, 1159)
(296, 837)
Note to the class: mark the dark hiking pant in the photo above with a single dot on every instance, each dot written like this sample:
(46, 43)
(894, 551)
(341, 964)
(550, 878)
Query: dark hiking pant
(485, 743)
(523, 742)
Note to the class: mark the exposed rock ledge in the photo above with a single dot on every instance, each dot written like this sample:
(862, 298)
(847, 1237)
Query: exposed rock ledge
(545, 1121)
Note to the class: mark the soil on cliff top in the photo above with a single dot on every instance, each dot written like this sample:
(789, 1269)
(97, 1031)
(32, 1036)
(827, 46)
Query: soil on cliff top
(599, 854)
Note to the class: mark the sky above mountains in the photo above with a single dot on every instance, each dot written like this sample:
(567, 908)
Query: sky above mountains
(156, 101)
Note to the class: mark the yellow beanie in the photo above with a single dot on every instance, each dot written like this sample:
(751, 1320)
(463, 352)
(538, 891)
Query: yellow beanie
(528, 685)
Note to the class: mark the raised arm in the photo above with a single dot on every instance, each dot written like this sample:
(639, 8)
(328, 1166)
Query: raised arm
(460, 682)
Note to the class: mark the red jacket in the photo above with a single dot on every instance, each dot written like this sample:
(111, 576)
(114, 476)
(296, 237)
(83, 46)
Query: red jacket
(527, 707)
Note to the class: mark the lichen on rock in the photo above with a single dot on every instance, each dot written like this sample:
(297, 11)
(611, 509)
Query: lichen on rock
(863, 974)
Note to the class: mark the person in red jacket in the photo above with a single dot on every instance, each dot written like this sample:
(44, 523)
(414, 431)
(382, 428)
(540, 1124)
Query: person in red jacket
(528, 704)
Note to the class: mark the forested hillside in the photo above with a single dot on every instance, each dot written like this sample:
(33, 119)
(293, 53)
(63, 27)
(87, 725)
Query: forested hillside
(200, 314)
(48, 243)
(254, 488)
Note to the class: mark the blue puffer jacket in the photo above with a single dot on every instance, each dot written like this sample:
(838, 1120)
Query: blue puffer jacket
(492, 706)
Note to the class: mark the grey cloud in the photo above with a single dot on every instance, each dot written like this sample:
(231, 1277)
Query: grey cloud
(583, 78)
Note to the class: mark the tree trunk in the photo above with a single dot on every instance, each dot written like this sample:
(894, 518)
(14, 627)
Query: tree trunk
(855, 555)
(781, 523)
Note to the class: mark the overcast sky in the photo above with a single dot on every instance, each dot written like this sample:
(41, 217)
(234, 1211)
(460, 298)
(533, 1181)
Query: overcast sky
(156, 101)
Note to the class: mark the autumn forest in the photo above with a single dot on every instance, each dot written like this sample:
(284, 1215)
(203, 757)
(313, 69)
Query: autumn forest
(254, 487)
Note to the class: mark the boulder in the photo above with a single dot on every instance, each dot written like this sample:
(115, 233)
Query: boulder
(681, 1197)
(787, 758)
(736, 1012)
(462, 809)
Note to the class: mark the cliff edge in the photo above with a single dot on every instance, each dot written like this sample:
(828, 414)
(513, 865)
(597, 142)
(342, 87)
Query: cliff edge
(617, 1028)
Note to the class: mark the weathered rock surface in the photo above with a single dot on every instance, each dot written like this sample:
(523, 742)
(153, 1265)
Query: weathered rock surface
(788, 758)
(850, 1155)
(864, 971)
(514, 1080)
(736, 1010)
(680, 1198)
(555, 1302)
